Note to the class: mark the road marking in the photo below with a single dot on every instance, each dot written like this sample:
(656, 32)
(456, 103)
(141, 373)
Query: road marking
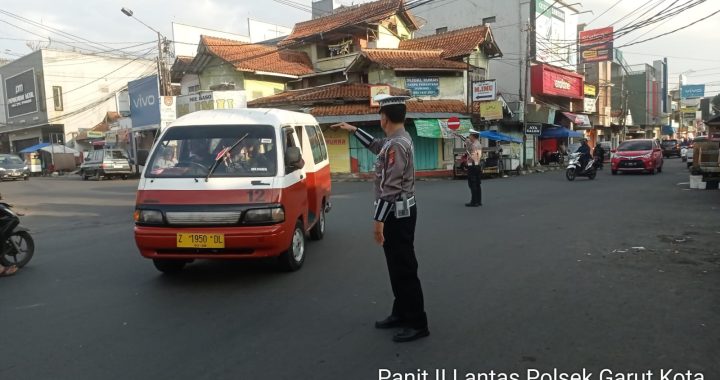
(29, 306)
(683, 183)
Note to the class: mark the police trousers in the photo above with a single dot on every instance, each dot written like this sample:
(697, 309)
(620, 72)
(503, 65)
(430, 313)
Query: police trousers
(399, 248)
(474, 183)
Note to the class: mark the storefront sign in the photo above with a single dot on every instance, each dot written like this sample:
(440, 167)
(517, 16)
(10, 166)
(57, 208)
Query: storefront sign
(589, 105)
(596, 45)
(423, 86)
(491, 110)
(21, 94)
(210, 100)
(95, 135)
(168, 111)
(579, 120)
(533, 128)
(690, 91)
(590, 90)
(144, 102)
(552, 81)
(484, 90)
(378, 90)
(437, 128)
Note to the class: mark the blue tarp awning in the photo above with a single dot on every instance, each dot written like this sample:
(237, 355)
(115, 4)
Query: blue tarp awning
(668, 130)
(34, 148)
(557, 132)
(494, 135)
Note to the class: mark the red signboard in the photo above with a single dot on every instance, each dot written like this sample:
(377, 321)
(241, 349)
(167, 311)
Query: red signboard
(552, 81)
(596, 45)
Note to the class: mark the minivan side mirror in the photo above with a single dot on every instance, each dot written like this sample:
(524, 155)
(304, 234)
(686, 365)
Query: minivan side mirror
(293, 158)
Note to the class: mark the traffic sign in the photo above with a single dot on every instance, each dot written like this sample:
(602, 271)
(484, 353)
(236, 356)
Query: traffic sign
(453, 123)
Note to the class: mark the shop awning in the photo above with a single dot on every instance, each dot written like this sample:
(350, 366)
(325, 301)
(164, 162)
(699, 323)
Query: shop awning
(668, 130)
(580, 120)
(57, 148)
(497, 136)
(437, 128)
(34, 148)
(556, 132)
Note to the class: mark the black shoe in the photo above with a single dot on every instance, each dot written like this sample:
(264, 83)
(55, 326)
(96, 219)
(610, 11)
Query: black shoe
(389, 322)
(409, 334)
(471, 205)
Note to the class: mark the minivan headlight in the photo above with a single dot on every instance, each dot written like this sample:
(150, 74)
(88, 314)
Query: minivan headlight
(148, 217)
(264, 215)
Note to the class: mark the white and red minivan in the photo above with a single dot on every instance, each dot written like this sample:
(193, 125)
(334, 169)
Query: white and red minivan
(233, 184)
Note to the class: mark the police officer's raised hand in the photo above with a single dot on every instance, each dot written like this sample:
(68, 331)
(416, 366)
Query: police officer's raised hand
(345, 126)
(378, 232)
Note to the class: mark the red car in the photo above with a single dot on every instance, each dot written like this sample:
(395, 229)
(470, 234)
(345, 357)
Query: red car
(641, 155)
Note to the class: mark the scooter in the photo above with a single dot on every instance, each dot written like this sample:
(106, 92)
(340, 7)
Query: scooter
(16, 243)
(574, 170)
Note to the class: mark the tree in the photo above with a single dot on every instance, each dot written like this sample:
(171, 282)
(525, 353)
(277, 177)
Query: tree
(715, 102)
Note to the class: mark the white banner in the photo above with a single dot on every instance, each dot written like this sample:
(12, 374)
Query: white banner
(484, 90)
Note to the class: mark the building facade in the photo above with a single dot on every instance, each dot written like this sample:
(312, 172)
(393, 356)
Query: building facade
(52, 96)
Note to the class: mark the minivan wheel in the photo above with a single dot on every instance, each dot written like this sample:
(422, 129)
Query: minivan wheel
(169, 266)
(98, 176)
(294, 257)
(659, 169)
(318, 230)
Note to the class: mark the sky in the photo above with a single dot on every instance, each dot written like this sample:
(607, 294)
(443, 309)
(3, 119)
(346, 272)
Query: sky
(694, 48)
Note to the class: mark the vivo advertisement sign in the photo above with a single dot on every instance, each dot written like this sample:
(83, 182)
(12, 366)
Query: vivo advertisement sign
(690, 91)
(144, 102)
(21, 94)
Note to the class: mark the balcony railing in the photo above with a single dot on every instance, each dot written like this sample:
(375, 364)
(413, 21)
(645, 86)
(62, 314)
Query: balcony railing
(335, 63)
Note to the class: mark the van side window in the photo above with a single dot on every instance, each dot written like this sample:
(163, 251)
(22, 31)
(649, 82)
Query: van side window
(289, 142)
(314, 143)
(321, 138)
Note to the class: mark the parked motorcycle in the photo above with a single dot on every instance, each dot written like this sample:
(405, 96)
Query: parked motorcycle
(574, 170)
(17, 246)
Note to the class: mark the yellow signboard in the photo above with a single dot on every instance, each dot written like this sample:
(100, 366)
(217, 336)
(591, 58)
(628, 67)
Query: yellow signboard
(338, 146)
(378, 90)
(590, 90)
(491, 110)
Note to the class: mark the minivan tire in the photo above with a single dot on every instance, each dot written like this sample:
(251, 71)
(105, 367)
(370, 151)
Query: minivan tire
(318, 230)
(293, 259)
(169, 266)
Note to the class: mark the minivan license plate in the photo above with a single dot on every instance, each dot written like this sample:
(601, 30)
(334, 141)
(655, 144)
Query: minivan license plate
(190, 240)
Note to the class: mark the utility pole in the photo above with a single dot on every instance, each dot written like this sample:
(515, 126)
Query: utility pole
(525, 94)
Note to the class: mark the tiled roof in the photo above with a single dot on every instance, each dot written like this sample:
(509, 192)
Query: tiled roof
(347, 92)
(253, 57)
(456, 43)
(356, 15)
(425, 106)
(180, 66)
(411, 59)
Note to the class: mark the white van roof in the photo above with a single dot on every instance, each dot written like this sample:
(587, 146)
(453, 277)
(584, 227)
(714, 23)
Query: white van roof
(264, 116)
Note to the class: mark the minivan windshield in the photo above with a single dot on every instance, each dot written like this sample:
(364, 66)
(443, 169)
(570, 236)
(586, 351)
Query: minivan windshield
(631, 146)
(190, 151)
(669, 142)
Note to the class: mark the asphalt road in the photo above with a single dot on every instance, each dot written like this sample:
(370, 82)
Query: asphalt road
(543, 276)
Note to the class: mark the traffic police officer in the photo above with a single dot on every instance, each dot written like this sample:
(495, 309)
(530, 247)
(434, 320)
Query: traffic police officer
(474, 151)
(395, 216)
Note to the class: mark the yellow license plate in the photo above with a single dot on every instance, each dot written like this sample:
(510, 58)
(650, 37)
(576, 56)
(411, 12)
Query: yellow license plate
(190, 240)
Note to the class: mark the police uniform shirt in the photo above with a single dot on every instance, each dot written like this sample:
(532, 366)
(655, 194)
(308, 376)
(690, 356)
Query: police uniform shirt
(394, 169)
(474, 150)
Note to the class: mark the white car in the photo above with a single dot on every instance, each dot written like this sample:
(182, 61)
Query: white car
(687, 156)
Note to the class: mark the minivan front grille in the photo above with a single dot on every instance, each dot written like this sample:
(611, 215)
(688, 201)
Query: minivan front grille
(203, 217)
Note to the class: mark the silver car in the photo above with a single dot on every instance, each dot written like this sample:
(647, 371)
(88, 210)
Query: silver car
(13, 167)
(106, 163)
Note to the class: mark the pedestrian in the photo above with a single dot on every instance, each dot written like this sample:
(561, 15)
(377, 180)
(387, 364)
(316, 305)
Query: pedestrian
(395, 216)
(474, 151)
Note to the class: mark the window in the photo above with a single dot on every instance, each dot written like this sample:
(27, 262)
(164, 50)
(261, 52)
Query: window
(190, 151)
(194, 89)
(441, 30)
(317, 146)
(321, 138)
(57, 98)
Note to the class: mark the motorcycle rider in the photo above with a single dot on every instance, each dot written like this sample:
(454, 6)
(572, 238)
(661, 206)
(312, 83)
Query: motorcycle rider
(584, 151)
(599, 154)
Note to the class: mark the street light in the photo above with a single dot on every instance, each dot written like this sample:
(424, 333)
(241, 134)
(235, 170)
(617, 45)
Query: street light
(164, 81)
(680, 105)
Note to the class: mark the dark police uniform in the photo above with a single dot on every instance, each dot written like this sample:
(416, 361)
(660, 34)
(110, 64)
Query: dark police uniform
(394, 190)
